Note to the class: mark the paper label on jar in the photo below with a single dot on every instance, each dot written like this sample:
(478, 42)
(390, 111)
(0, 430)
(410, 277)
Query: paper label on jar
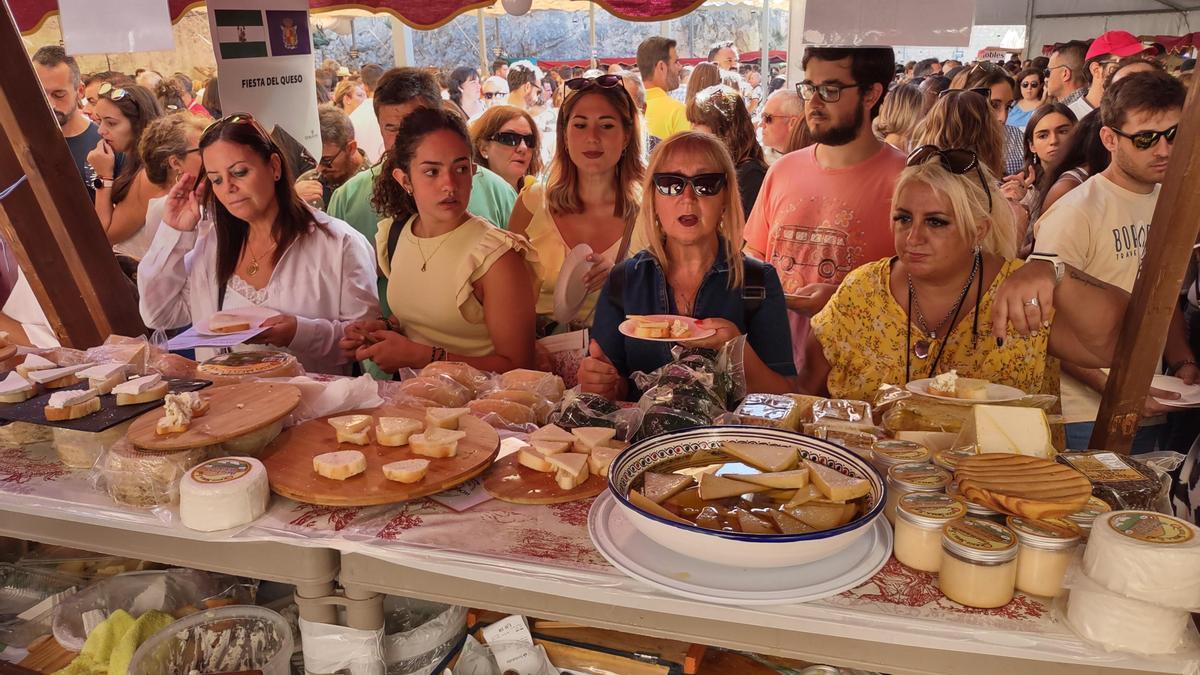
(1152, 528)
(1104, 467)
(1050, 528)
(1090, 511)
(933, 506)
(220, 470)
(981, 534)
(923, 475)
(902, 450)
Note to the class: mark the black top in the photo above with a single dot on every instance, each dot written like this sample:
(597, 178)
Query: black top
(80, 146)
(750, 174)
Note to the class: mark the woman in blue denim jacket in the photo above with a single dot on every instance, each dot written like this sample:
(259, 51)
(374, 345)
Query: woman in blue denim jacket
(694, 267)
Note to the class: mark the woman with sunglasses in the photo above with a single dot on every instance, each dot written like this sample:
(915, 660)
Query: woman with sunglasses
(460, 288)
(944, 301)
(693, 266)
(169, 148)
(592, 194)
(1032, 84)
(121, 198)
(265, 248)
(721, 111)
(507, 141)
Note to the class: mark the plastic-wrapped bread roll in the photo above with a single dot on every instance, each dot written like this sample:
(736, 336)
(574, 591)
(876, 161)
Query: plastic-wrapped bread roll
(1119, 623)
(1147, 556)
(143, 478)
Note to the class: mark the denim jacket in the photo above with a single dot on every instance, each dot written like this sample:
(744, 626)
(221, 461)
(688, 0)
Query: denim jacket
(645, 291)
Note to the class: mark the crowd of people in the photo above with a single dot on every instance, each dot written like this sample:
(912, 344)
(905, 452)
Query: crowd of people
(875, 224)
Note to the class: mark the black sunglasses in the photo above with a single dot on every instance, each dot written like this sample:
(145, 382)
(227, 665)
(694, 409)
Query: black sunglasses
(704, 184)
(768, 118)
(327, 162)
(235, 118)
(512, 139)
(954, 160)
(585, 83)
(1144, 140)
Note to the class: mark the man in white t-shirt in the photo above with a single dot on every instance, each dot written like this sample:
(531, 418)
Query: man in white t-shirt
(1101, 228)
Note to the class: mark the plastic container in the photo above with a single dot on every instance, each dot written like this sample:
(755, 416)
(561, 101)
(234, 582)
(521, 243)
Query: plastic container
(979, 563)
(230, 639)
(888, 453)
(24, 587)
(920, 517)
(1086, 517)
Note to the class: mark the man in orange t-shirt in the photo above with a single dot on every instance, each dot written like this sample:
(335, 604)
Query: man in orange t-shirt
(825, 210)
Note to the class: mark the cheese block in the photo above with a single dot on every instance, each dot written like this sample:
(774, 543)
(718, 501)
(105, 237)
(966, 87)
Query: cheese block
(34, 362)
(53, 378)
(789, 524)
(783, 480)
(835, 485)
(552, 433)
(1008, 430)
(763, 457)
(659, 487)
(600, 459)
(395, 431)
(550, 447)
(436, 443)
(140, 390)
(713, 486)
(752, 524)
(105, 376)
(223, 493)
(146, 478)
(572, 469)
(587, 438)
(71, 405)
(15, 388)
(641, 502)
(804, 495)
(444, 418)
(406, 471)
(352, 428)
(531, 458)
(228, 322)
(340, 465)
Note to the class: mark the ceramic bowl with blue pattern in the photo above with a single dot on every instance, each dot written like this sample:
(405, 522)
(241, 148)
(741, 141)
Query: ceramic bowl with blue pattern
(698, 447)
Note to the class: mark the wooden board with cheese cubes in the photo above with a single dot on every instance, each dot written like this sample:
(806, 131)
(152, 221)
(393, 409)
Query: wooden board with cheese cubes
(385, 455)
(556, 466)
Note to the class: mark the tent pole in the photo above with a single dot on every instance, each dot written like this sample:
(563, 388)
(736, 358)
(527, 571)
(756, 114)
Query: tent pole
(764, 48)
(1029, 47)
(483, 59)
(795, 73)
(592, 31)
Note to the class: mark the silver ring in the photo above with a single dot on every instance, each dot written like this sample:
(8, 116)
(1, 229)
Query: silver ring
(1032, 302)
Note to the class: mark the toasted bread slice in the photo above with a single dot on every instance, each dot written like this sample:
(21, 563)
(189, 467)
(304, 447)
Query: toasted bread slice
(72, 412)
(152, 394)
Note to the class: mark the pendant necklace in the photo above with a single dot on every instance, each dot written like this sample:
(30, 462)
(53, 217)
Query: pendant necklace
(425, 259)
(924, 343)
(253, 267)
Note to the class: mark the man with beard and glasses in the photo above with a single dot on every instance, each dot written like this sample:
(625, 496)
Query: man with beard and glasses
(63, 85)
(825, 210)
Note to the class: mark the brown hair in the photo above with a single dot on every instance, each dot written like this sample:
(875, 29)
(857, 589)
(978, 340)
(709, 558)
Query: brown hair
(901, 111)
(140, 107)
(704, 75)
(489, 123)
(1153, 91)
(164, 138)
(722, 110)
(800, 137)
(562, 187)
(652, 50)
(963, 119)
(1041, 76)
(389, 198)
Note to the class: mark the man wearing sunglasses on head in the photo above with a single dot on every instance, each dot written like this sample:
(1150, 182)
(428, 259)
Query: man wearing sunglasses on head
(341, 158)
(1101, 228)
(825, 210)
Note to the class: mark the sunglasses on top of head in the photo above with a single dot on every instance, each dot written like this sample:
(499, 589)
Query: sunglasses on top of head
(111, 93)
(955, 160)
(512, 139)
(235, 118)
(602, 81)
(982, 91)
(1144, 140)
(704, 184)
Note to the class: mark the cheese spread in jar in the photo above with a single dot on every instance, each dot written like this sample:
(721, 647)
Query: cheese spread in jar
(920, 517)
(1045, 550)
(979, 563)
(1087, 516)
(903, 479)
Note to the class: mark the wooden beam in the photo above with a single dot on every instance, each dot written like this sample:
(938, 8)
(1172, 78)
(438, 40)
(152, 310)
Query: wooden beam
(1173, 233)
(48, 221)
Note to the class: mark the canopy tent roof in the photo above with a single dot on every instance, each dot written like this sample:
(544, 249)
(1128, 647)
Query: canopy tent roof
(775, 56)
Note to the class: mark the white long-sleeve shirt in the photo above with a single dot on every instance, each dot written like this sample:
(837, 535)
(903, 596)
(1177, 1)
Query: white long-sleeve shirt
(325, 279)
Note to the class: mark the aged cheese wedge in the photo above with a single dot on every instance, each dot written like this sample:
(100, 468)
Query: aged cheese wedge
(550, 447)
(552, 433)
(444, 418)
(804, 495)
(789, 524)
(823, 516)
(835, 485)
(600, 459)
(34, 362)
(572, 469)
(436, 443)
(713, 486)
(395, 431)
(651, 329)
(352, 428)
(763, 457)
(659, 487)
(752, 524)
(783, 480)
(531, 458)
(15, 388)
(640, 501)
(587, 438)
(406, 471)
(1017, 431)
(340, 465)
(53, 378)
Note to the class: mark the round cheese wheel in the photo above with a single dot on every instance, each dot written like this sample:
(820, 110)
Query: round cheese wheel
(1147, 556)
(146, 479)
(223, 493)
(238, 366)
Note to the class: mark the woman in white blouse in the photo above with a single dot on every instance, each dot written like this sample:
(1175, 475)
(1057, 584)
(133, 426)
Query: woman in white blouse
(266, 248)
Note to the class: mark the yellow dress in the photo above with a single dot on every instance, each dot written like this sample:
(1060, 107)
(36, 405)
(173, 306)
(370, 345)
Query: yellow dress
(862, 332)
(436, 306)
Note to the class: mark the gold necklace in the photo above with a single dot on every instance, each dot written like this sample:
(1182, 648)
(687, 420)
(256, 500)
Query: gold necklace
(425, 259)
(253, 267)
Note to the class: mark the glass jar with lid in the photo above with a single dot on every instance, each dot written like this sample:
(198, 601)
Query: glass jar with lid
(976, 510)
(1044, 552)
(920, 517)
(1086, 516)
(888, 453)
(910, 477)
(979, 563)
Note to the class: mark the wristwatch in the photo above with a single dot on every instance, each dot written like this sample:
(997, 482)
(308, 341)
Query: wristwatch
(100, 183)
(1060, 267)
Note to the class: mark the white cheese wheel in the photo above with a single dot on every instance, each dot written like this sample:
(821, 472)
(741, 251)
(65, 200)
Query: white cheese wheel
(223, 493)
(1146, 556)
(1119, 623)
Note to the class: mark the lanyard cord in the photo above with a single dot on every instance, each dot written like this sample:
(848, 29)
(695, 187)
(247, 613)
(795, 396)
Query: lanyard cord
(976, 265)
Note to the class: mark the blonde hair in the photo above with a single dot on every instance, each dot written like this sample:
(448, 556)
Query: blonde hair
(732, 221)
(969, 204)
(901, 111)
(343, 89)
(963, 119)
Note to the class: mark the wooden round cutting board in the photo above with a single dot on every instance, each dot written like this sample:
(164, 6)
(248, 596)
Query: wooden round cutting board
(508, 481)
(233, 411)
(289, 462)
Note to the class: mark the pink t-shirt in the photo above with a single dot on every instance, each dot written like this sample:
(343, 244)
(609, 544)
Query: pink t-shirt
(816, 225)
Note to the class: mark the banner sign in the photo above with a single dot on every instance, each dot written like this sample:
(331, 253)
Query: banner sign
(265, 64)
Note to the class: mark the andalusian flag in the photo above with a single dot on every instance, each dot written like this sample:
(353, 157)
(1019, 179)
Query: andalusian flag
(240, 33)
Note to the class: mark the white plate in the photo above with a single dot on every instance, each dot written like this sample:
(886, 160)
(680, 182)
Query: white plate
(628, 328)
(255, 315)
(996, 393)
(569, 290)
(1189, 394)
(638, 556)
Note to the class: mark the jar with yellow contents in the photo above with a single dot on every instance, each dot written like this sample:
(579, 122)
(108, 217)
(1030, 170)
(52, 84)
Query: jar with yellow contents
(920, 518)
(979, 563)
(1087, 516)
(903, 479)
(1045, 550)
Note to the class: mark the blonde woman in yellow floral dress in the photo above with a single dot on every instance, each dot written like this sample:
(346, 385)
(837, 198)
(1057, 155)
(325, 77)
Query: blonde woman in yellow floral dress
(946, 300)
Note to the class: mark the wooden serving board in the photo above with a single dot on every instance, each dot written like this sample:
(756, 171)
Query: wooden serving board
(290, 468)
(234, 411)
(508, 481)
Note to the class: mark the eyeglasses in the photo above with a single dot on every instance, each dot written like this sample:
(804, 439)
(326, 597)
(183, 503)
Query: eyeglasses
(602, 81)
(954, 160)
(1144, 140)
(111, 93)
(704, 184)
(327, 162)
(829, 93)
(512, 139)
(767, 118)
(489, 95)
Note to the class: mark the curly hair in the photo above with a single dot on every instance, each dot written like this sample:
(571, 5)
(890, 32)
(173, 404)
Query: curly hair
(721, 109)
(170, 97)
(963, 119)
(164, 138)
(489, 124)
(388, 197)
